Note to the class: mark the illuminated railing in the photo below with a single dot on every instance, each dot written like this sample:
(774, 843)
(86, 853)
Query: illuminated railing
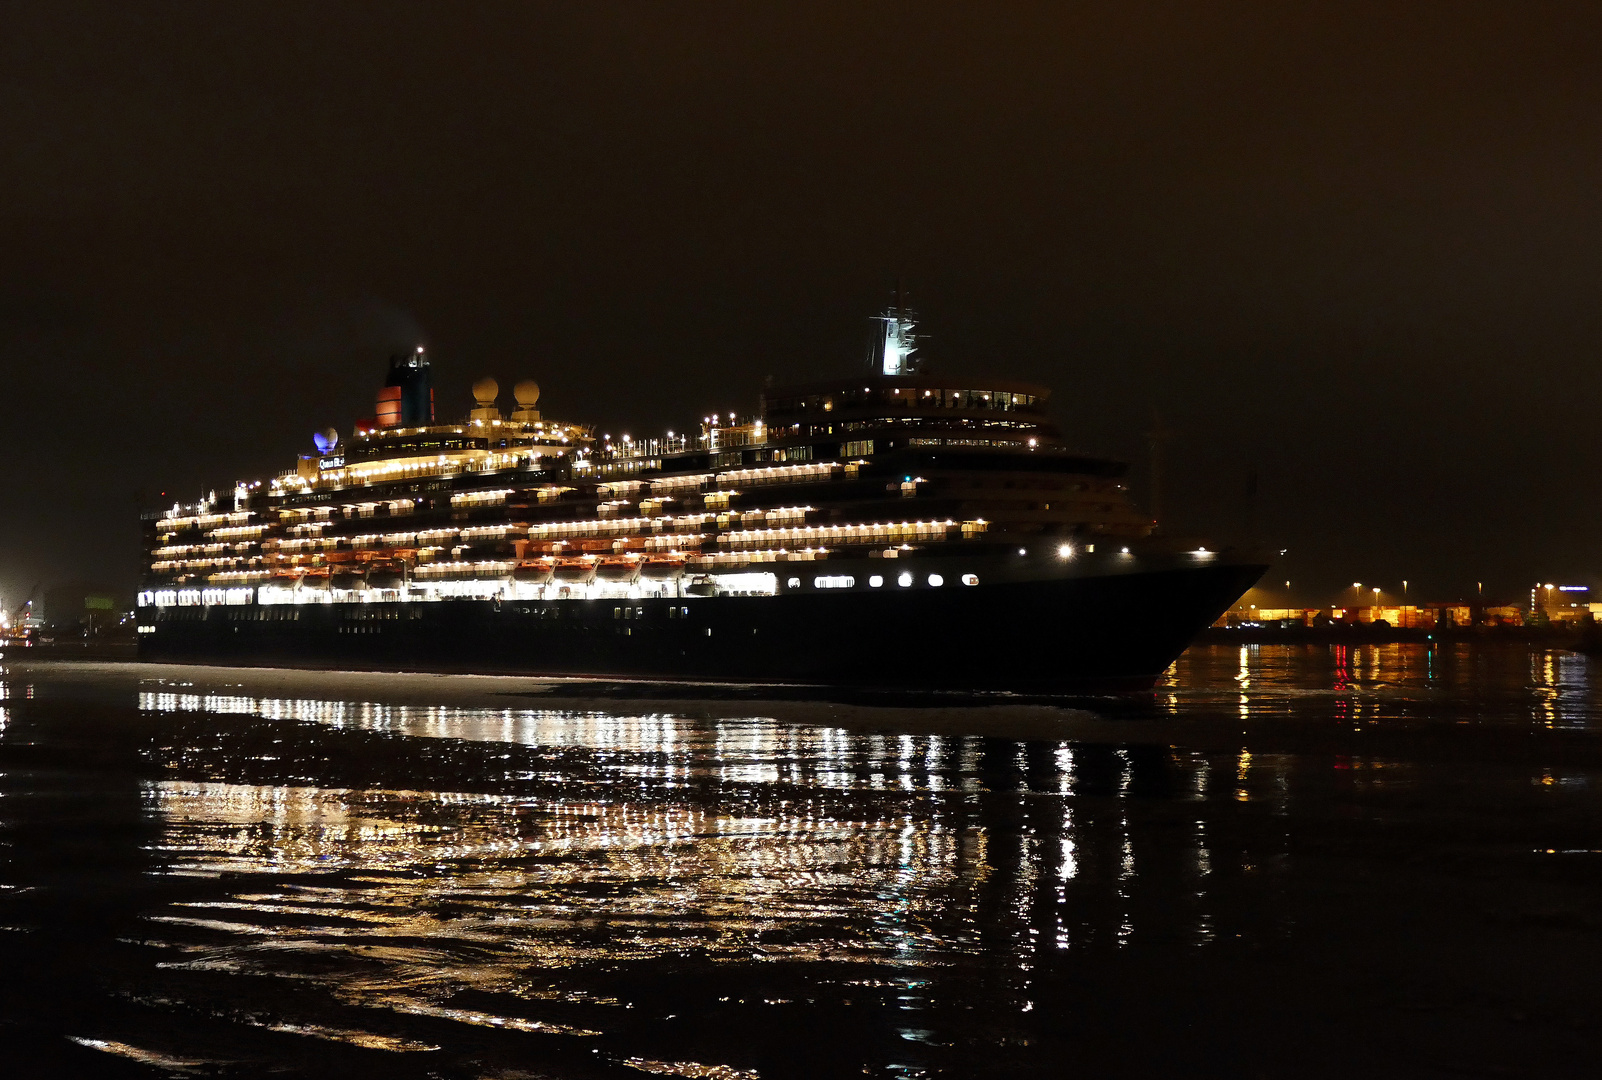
(440, 571)
(727, 559)
(674, 485)
(570, 530)
(186, 519)
(748, 519)
(395, 539)
(635, 448)
(784, 474)
(161, 565)
(238, 532)
(481, 498)
(479, 533)
(676, 542)
(896, 533)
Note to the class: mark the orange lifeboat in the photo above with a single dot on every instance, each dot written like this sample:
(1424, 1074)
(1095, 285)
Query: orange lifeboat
(620, 571)
(662, 569)
(574, 571)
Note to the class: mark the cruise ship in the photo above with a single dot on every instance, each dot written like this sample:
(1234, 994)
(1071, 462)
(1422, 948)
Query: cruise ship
(895, 528)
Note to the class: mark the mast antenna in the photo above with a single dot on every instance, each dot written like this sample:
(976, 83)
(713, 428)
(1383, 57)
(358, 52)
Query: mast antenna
(894, 348)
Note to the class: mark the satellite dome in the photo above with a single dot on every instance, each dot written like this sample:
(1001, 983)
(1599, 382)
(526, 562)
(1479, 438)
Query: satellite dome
(325, 440)
(486, 390)
(527, 393)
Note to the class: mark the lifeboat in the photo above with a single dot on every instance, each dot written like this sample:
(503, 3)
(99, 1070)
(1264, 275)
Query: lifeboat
(574, 571)
(385, 577)
(618, 570)
(662, 569)
(537, 572)
(701, 585)
(345, 579)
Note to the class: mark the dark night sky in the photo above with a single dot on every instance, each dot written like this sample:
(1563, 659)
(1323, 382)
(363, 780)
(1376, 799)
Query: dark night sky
(1352, 247)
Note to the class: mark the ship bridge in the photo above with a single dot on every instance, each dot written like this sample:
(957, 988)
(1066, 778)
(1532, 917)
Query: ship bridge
(922, 410)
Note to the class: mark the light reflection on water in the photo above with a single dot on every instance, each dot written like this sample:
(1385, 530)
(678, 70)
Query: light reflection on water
(1551, 688)
(622, 881)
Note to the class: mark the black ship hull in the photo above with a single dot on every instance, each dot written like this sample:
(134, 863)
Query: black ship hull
(1089, 631)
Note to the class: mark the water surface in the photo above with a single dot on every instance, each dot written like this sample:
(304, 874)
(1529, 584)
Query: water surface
(1286, 861)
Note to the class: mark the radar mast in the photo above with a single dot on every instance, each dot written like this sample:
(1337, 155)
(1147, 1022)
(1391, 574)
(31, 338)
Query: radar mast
(896, 346)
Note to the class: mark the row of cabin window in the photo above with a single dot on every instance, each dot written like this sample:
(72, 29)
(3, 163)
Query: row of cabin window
(905, 580)
(906, 397)
(639, 613)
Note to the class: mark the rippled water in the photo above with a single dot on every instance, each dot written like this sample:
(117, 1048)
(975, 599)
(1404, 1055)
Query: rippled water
(1285, 861)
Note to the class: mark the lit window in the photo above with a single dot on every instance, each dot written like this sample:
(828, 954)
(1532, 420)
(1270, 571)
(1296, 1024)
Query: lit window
(793, 583)
(905, 580)
(876, 580)
(833, 581)
(970, 579)
(935, 581)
